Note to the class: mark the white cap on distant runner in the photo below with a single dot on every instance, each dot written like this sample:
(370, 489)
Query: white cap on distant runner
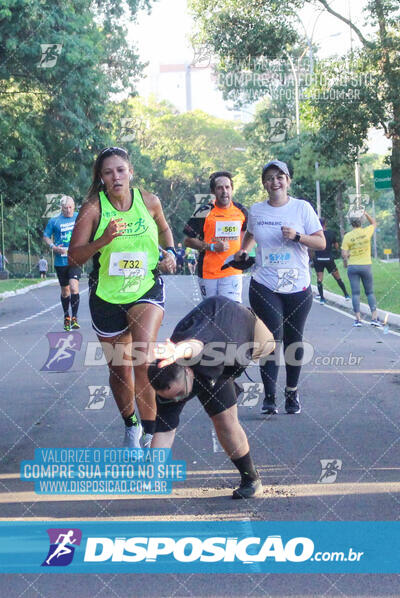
(281, 165)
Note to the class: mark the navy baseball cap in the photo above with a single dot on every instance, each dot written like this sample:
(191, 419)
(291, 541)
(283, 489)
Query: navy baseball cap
(281, 165)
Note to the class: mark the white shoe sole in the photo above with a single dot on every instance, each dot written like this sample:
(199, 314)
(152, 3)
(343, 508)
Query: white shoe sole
(133, 436)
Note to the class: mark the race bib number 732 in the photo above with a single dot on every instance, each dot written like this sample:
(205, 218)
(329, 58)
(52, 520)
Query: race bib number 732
(128, 264)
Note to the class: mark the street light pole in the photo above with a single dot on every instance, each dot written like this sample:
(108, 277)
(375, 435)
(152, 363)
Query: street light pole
(318, 190)
(29, 245)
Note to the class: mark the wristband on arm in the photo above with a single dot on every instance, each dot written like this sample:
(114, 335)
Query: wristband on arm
(170, 250)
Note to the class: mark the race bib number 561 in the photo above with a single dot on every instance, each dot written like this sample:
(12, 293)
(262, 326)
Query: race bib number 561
(228, 229)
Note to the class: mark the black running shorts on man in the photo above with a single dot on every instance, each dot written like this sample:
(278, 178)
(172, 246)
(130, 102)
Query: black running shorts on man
(67, 273)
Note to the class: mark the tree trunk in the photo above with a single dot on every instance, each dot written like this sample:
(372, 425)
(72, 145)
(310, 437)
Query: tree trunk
(395, 162)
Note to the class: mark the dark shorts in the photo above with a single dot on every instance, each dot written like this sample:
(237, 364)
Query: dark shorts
(66, 273)
(223, 397)
(111, 319)
(330, 265)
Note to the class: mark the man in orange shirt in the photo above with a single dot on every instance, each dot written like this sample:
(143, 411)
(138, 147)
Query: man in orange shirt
(215, 230)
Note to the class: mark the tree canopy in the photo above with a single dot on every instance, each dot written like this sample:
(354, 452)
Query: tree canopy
(60, 63)
(345, 96)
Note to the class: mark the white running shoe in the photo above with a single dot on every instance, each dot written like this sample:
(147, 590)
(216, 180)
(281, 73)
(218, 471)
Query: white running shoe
(133, 436)
(146, 440)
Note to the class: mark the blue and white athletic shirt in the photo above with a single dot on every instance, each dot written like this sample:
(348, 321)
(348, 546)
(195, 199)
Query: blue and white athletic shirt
(60, 228)
(281, 264)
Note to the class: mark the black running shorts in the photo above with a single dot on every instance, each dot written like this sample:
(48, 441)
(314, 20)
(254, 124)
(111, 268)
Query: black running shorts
(220, 399)
(330, 265)
(111, 319)
(66, 273)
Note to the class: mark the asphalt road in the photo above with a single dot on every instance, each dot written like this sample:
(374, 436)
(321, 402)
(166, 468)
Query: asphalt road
(349, 393)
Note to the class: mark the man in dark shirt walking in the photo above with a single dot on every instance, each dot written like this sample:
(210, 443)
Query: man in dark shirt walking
(324, 259)
(209, 348)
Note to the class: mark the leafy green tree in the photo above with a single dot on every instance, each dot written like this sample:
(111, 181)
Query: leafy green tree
(60, 65)
(178, 152)
(242, 38)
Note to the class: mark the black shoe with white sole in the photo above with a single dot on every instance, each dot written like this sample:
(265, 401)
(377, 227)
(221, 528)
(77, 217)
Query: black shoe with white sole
(292, 402)
(269, 405)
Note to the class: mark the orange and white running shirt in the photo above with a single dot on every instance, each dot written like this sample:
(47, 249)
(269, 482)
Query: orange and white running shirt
(210, 224)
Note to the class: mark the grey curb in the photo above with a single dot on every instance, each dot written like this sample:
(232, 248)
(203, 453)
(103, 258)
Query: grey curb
(24, 290)
(364, 308)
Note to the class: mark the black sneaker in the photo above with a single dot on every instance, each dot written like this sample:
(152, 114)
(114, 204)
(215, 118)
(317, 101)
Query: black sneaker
(269, 406)
(292, 403)
(67, 323)
(249, 489)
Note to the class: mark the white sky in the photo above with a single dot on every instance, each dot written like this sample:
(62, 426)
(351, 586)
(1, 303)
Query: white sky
(163, 38)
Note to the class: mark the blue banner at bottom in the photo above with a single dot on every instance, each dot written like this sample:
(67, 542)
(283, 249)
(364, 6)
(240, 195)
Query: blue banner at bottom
(200, 547)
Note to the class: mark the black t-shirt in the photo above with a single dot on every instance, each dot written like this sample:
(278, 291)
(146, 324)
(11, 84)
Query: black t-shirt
(225, 328)
(215, 320)
(326, 253)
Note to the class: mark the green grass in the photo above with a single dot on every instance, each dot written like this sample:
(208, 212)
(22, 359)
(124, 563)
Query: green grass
(16, 283)
(386, 284)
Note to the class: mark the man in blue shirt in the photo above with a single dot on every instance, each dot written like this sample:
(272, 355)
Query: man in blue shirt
(57, 236)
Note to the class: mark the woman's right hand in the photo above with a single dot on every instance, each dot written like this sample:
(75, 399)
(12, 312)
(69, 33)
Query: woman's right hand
(115, 228)
(240, 255)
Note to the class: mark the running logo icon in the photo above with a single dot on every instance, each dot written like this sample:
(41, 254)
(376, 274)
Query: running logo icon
(63, 346)
(251, 394)
(50, 54)
(62, 547)
(329, 470)
(98, 396)
(128, 129)
(278, 129)
(286, 279)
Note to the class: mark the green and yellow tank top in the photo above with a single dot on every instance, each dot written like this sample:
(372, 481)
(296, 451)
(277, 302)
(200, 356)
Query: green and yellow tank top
(125, 266)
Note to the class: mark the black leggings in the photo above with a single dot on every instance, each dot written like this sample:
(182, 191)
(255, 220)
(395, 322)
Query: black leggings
(285, 315)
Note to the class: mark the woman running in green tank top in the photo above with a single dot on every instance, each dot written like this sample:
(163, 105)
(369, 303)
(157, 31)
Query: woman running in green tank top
(121, 229)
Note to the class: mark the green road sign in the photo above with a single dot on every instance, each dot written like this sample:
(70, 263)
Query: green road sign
(383, 178)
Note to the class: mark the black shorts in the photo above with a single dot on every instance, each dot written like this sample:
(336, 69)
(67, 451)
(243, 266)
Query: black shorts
(222, 398)
(111, 319)
(66, 273)
(330, 265)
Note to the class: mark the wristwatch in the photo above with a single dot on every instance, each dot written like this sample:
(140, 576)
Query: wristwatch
(297, 237)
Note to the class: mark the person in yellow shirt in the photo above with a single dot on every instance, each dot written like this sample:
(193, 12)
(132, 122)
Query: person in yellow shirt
(356, 253)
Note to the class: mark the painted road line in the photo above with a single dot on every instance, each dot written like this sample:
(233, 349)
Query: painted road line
(351, 371)
(217, 448)
(35, 315)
